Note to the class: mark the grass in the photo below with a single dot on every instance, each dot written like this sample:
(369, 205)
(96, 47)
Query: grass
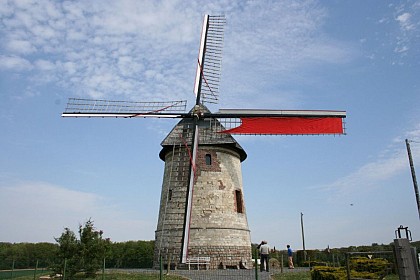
(137, 276)
(304, 275)
(22, 274)
(29, 275)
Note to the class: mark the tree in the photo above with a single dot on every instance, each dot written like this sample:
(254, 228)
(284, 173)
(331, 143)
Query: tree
(27, 255)
(93, 248)
(68, 254)
(84, 254)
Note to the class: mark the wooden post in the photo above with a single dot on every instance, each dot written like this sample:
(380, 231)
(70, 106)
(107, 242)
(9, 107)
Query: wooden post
(348, 265)
(256, 263)
(64, 270)
(103, 270)
(13, 269)
(282, 263)
(36, 269)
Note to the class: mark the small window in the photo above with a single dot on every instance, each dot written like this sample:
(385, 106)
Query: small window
(208, 159)
(170, 195)
(239, 204)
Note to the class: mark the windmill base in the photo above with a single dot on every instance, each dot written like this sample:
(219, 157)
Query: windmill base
(219, 257)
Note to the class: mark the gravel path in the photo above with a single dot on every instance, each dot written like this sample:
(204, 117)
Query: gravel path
(230, 274)
(218, 274)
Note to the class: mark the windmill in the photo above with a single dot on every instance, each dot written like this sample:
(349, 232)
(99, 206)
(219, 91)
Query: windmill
(182, 152)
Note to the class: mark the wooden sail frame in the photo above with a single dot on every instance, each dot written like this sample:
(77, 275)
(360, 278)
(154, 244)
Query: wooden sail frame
(312, 122)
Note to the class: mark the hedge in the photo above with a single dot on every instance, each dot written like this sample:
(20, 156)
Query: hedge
(359, 268)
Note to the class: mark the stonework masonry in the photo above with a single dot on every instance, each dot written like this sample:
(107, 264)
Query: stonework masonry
(219, 226)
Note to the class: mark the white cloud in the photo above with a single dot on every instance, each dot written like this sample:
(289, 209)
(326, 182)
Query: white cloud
(6, 9)
(116, 42)
(401, 49)
(289, 27)
(33, 207)
(327, 52)
(370, 174)
(408, 20)
(147, 49)
(390, 163)
(70, 67)
(14, 63)
(20, 47)
(44, 65)
(74, 35)
(32, 211)
(405, 22)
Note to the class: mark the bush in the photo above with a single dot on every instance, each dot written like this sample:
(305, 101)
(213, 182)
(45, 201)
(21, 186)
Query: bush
(85, 254)
(328, 273)
(339, 273)
(362, 268)
(274, 263)
(314, 263)
(370, 265)
(364, 275)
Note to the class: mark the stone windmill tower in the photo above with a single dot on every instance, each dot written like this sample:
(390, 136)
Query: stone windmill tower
(218, 223)
(202, 210)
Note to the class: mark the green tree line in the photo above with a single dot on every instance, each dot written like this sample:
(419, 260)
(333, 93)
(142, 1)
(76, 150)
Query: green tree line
(331, 256)
(129, 254)
(25, 255)
(85, 251)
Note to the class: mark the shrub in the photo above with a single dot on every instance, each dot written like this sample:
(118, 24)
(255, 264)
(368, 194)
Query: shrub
(328, 273)
(339, 273)
(370, 265)
(362, 268)
(81, 255)
(314, 263)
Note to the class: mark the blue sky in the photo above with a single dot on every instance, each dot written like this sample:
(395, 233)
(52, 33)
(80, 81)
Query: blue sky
(358, 56)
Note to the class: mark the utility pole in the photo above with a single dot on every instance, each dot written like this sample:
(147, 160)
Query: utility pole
(303, 236)
(413, 175)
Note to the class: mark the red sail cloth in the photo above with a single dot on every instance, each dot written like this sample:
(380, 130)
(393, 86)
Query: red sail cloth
(289, 125)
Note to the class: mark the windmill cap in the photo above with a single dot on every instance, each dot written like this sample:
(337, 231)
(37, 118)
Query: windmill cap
(209, 135)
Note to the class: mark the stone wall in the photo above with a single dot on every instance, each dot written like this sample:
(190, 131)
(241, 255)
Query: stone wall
(219, 227)
(222, 257)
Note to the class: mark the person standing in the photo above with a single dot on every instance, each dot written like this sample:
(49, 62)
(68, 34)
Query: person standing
(290, 257)
(264, 253)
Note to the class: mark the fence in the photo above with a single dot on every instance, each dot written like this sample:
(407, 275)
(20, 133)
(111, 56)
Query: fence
(278, 263)
(29, 273)
(195, 272)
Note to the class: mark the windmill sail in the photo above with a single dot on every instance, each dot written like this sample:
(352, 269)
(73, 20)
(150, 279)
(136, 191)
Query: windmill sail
(201, 128)
(188, 205)
(206, 89)
(282, 122)
(80, 107)
(209, 61)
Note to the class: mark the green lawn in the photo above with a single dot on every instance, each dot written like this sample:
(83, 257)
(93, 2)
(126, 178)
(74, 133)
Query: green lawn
(304, 275)
(137, 276)
(21, 274)
(29, 275)
(307, 276)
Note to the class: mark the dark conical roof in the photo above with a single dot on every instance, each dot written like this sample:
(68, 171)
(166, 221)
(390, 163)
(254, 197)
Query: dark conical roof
(208, 134)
